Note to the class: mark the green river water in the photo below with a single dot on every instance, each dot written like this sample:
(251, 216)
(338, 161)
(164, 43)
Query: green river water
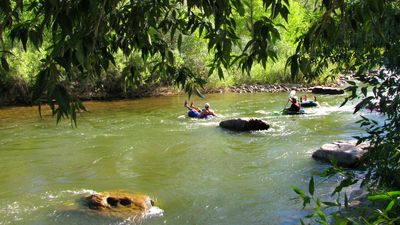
(197, 172)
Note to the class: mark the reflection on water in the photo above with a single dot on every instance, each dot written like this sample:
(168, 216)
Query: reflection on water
(197, 172)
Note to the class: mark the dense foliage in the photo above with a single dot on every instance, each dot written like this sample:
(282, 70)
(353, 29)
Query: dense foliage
(361, 37)
(84, 37)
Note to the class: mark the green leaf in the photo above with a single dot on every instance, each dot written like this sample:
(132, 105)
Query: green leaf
(170, 57)
(311, 186)
(379, 197)
(73, 115)
(4, 64)
(211, 70)
(227, 48)
(268, 3)
(294, 66)
(149, 38)
(344, 183)
(344, 102)
(40, 109)
(40, 85)
(198, 93)
(339, 220)
(306, 200)
(331, 204)
(389, 207)
(305, 66)
(80, 105)
(61, 96)
(220, 73)
(298, 191)
(179, 41)
(59, 115)
(284, 13)
(322, 216)
(36, 38)
(364, 91)
(394, 193)
(24, 37)
(240, 8)
(351, 82)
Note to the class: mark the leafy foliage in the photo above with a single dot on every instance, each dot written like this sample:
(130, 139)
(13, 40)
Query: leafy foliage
(360, 36)
(84, 36)
(384, 207)
(354, 35)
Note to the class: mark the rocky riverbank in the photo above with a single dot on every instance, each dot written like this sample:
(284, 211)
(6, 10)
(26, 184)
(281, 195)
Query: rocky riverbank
(271, 88)
(18, 92)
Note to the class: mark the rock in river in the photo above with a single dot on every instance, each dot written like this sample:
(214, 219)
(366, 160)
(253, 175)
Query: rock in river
(122, 205)
(244, 125)
(346, 154)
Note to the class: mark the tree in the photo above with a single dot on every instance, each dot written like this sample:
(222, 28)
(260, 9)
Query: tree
(85, 35)
(361, 36)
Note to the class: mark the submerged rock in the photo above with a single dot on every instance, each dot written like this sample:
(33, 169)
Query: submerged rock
(122, 205)
(327, 90)
(346, 154)
(244, 125)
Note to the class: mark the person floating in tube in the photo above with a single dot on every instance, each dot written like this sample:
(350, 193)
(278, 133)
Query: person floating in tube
(295, 106)
(196, 112)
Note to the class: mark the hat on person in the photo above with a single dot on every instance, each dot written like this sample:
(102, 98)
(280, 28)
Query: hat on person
(207, 105)
(294, 98)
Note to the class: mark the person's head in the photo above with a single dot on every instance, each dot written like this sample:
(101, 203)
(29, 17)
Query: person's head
(294, 99)
(207, 105)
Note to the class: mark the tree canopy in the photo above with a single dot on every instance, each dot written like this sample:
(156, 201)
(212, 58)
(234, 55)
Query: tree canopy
(84, 36)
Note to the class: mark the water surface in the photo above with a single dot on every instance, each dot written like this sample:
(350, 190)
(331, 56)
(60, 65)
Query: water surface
(197, 172)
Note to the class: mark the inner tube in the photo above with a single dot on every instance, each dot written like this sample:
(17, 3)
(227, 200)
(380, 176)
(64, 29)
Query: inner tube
(193, 114)
(207, 117)
(309, 104)
(288, 112)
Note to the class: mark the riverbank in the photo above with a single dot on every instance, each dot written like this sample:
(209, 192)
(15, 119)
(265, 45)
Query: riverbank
(16, 92)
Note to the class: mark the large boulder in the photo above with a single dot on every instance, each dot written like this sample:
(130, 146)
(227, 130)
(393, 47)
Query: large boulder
(327, 90)
(244, 125)
(346, 154)
(122, 205)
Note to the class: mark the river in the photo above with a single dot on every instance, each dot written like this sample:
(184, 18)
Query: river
(197, 172)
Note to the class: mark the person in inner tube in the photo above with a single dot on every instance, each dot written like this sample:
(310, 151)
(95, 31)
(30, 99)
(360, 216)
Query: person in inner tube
(193, 110)
(295, 107)
(207, 111)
